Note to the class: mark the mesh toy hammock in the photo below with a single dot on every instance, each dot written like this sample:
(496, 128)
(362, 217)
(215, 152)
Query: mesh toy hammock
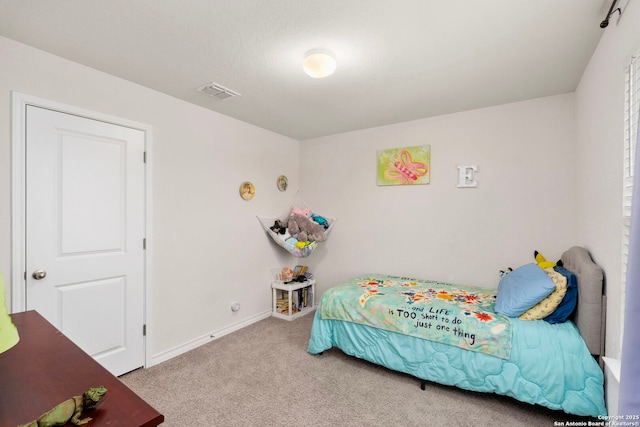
(286, 240)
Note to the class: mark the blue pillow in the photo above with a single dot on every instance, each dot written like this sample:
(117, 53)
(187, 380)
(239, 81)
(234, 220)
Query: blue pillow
(521, 289)
(568, 303)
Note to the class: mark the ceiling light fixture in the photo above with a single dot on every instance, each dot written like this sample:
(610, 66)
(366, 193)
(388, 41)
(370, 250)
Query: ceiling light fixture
(319, 63)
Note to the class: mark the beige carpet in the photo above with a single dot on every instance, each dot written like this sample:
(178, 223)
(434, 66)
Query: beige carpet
(263, 376)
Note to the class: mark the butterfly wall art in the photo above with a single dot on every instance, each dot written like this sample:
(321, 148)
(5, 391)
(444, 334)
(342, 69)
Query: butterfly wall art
(404, 166)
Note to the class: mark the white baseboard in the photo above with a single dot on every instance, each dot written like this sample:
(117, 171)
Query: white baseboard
(612, 384)
(190, 345)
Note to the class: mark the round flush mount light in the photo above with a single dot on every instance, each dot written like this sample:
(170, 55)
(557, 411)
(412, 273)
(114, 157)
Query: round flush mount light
(319, 63)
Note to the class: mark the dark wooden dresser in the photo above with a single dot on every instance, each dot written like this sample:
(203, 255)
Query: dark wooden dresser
(45, 368)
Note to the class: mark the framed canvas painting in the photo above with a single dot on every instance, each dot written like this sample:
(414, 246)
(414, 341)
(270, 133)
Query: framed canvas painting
(405, 165)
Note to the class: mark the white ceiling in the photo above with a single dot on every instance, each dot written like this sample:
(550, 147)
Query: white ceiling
(398, 60)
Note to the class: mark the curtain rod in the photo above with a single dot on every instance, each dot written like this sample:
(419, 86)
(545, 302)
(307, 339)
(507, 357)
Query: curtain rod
(605, 23)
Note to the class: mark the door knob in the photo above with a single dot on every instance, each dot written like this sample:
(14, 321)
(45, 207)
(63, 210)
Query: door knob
(39, 274)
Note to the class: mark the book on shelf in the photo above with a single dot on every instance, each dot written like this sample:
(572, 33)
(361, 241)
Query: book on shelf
(300, 299)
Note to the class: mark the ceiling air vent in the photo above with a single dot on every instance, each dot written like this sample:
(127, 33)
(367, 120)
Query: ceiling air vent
(217, 91)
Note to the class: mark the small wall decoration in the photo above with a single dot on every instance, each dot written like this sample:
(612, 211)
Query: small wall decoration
(466, 176)
(283, 183)
(404, 166)
(247, 190)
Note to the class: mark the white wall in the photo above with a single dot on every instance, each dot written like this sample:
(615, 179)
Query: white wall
(207, 245)
(599, 118)
(525, 199)
(550, 174)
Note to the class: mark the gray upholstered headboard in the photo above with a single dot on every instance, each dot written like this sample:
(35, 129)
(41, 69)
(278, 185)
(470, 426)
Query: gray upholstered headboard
(590, 311)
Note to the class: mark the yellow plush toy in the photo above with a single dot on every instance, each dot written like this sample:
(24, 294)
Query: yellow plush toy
(301, 245)
(542, 261)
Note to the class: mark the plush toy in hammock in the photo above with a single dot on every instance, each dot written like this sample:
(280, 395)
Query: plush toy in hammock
(303, 229)
(278, 228)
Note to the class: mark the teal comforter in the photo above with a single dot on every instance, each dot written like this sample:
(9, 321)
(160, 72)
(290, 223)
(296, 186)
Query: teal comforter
(442, 312)
(549, 365)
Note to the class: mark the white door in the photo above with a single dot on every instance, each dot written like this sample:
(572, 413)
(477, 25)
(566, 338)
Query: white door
(85, 223)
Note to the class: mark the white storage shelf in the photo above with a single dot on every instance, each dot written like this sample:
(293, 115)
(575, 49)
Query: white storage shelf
(292, 300)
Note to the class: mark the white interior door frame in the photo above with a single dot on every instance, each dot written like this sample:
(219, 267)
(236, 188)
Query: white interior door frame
(20, 101)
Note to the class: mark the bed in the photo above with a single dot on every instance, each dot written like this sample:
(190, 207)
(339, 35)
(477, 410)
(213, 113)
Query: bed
(427, 331)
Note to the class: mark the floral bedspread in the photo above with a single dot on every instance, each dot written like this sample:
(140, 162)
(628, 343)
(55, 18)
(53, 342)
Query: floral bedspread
(461, 316)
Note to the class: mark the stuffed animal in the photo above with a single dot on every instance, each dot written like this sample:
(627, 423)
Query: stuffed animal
(542, 261)
(505, 272)
(279, 227)
(320, 220)
(287, 274)
(301, 211)
(303, 229)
